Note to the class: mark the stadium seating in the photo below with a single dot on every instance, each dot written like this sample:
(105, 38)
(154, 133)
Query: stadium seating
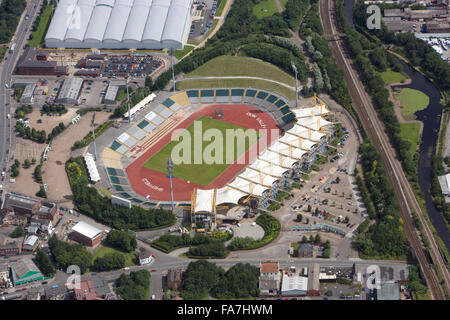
(236, 95)
(207, 96)
(222, 96)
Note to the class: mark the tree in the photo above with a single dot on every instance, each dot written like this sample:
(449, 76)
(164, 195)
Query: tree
(17, 232)
(199, 278)
(122, 240)
(26, 164)
(109, 261)
(299, 217)
(134, 286)
(304, 239)
(338, 179)
(311, 238)
(309, 208)
(240, 281)
(317, 239)
(149, 82)
(44, 263)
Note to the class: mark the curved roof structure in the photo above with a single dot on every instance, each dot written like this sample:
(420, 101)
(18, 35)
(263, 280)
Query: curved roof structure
(80, 20)
(118, 20)
(136, 21)
(61, 19)
(155, 23)
(310, 112)
(306, 133)
(278, 159)
(119, 24)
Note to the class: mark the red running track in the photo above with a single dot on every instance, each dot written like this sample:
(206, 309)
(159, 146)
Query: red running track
(156, 184)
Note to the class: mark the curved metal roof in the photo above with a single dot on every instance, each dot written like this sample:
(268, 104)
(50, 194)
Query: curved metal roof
(174, 27)
(157, 23)
(118, 20)
(80, 20)
(136, 21)
(99, 21)
(156, 20)
(63, 13)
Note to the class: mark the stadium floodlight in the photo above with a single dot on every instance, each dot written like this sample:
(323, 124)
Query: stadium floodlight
(296, 84)
(169, 168)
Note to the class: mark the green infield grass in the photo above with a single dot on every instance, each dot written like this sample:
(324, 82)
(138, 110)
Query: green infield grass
(202, 173)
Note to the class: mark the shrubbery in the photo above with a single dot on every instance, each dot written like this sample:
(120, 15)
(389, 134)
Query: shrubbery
(271, 228)
(134, 286)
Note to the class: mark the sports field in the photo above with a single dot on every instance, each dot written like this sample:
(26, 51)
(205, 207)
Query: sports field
(412, 101)
(202, 174)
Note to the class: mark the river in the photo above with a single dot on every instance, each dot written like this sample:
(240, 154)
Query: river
(431, 119)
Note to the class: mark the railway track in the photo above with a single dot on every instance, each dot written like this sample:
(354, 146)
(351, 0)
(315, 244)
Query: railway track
(375, 130)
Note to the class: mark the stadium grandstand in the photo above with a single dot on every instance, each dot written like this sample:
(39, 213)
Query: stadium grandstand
(306, 132)
(120, 24)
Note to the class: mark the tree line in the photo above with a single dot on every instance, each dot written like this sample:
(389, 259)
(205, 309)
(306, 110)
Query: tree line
(89, 201)
(202, 278)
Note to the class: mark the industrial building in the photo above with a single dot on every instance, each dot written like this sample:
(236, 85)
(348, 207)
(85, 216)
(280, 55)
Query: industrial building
(27, 94)
(294, 285)
(70, 91)
(31, 208)
(24, 271)
(86, 234)
(120, 24)
(113, 89)
(34, 63)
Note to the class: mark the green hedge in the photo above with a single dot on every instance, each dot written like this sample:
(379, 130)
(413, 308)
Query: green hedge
(167, 243)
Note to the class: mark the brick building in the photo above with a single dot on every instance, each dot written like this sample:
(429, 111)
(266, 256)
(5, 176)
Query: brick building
(86, 234)
(174, 278)
(33, 63)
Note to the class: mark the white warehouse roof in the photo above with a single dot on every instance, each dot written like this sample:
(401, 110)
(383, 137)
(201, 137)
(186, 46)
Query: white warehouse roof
(86, 230)
(120, 24)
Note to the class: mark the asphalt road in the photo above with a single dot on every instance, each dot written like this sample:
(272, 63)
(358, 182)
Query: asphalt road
(7, 68)
(403, 191)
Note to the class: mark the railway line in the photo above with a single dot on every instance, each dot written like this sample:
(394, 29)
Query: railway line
(403, 191)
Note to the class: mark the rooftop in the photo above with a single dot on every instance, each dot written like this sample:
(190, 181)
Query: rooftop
(23, 266)
(269, 267)
(86, 230)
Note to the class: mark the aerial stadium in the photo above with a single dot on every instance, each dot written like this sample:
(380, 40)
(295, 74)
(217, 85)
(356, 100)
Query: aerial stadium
(120, 24)
(293, 139)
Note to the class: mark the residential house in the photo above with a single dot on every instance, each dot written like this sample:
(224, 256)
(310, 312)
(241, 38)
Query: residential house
(305, 250)
(145, 257)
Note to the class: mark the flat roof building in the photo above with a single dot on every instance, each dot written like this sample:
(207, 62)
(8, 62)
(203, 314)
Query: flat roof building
(70, 91)
(86, 234)
(293, 285)
(27, 94)
(30, 65)
(389, 291)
